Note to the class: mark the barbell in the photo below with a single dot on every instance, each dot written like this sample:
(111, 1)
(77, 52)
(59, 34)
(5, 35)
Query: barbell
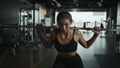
(31, 26)
(14, 26)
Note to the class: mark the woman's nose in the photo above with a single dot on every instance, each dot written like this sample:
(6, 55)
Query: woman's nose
(64, 27)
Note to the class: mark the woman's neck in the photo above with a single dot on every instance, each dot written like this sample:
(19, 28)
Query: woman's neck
(66, 33)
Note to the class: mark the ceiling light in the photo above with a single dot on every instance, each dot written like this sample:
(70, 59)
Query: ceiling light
(99, 4)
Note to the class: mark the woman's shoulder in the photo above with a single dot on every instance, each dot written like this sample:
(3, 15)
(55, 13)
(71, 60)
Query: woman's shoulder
(77, 31)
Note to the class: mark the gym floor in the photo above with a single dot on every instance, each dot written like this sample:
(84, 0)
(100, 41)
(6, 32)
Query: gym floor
(102, 54)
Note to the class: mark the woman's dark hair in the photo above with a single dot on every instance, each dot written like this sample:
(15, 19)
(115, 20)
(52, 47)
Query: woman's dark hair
(64, 14)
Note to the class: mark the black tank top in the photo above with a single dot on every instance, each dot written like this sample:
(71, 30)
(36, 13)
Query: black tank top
(70, 47)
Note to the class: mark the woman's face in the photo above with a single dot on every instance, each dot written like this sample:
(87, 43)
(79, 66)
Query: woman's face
(64, 24)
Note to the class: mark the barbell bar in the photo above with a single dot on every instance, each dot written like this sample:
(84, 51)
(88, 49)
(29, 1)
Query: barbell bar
(29, 26)
(14, 26)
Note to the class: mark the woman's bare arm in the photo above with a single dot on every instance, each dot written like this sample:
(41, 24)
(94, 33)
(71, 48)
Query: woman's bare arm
(46, 42)
(88, 43)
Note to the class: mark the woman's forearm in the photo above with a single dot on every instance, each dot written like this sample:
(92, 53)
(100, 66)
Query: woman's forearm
(42, 39)
(91, 41)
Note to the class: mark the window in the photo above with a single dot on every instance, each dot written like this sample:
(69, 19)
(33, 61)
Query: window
(88, 17)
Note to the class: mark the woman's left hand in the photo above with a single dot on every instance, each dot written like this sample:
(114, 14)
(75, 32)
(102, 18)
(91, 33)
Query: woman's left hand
(96, 30)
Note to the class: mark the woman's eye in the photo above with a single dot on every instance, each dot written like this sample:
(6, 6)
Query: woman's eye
(60, 24)
(66, 24)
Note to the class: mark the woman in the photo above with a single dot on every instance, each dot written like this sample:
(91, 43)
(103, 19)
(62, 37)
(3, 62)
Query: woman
(65, 39)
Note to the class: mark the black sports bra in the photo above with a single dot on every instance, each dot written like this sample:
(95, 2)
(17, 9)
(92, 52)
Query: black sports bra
(70, 47)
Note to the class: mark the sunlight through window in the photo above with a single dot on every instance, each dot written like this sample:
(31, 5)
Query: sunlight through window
(88, 17)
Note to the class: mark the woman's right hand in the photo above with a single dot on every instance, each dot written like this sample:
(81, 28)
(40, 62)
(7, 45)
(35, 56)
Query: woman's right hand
(39, 27)
(96, 30)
